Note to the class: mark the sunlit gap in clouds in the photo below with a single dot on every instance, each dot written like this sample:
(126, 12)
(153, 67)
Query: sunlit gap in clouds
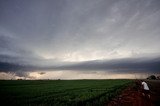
(80, 56)
(70, 74)
(86, 75)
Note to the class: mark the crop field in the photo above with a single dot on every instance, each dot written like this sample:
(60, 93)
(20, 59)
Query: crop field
(59, 92)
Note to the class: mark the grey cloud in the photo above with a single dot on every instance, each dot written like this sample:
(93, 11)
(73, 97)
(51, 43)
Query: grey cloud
(58, 27)
(11, 51)
(126, 65)
(13, 67)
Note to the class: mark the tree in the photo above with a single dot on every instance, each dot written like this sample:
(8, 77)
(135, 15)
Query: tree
(151, 77)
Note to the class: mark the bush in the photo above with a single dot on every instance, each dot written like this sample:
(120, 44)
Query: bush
(152, 77)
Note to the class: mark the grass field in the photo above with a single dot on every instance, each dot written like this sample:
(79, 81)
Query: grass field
(59, 92)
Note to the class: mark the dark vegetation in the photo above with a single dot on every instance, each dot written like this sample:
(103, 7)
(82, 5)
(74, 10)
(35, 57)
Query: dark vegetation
(153, 77)
(60, 92)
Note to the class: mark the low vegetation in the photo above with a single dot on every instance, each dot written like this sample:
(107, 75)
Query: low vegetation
(59, 92)
(153, 77)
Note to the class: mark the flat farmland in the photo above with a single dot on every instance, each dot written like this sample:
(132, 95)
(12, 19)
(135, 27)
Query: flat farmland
(59, 92)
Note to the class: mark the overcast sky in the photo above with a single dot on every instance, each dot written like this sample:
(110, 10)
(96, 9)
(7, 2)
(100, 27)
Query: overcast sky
(80, 36)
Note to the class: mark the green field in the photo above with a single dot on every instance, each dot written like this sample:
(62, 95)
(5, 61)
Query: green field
(59, 92)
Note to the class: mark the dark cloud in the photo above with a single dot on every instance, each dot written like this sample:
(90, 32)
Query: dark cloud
(13, 67)
(41, 73)
(127, 65)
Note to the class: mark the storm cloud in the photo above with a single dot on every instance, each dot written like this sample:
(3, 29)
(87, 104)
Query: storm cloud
(127, 65)
(115, 35)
